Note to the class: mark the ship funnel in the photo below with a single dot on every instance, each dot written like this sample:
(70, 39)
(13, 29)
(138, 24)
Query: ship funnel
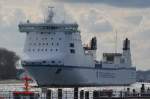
(93, 43)
(126, 44)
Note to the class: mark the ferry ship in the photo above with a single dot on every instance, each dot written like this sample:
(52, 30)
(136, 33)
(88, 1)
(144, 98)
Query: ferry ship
(55, 57)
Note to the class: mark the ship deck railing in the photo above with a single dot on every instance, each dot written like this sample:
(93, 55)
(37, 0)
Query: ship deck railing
(81, 94)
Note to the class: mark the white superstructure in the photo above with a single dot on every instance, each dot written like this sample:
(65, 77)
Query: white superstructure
(55, 56)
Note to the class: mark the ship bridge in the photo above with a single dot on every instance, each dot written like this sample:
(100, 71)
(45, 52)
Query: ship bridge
(54, 54)
(47, 27)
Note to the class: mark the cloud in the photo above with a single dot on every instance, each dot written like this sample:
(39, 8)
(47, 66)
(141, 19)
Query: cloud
(117, 3)
(10, 37)
(94, 22)
(135, 20)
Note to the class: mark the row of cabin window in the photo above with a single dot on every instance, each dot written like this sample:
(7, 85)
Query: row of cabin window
(71, 50)
(41, 50)
(51, 61)
(71, 44)
(46, 62)
(44, 38)
(47, 33)
(43, 44)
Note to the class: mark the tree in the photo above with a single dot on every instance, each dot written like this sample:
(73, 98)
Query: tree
(8, 61)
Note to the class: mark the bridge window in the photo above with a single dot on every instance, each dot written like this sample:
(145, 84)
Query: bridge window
(57, 44)
(72, 51)
(53, 61)
(34, 43)
(44, 61)
(71, 44)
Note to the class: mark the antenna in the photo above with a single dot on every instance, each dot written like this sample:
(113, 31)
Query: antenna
(64, 17)
(116, 41)
(50, 15)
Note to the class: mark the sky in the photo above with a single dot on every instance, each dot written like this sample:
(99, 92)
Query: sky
(100, 18)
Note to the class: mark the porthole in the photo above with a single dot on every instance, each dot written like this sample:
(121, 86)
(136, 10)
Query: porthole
(71, 44)
(57, 44)
(44, 61)
(53, 61)
(72, 51)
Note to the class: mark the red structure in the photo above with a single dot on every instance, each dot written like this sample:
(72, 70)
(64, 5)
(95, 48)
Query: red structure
(26, 83)
(26, 94)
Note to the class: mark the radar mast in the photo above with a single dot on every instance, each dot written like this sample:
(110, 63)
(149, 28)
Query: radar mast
(50, 15)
